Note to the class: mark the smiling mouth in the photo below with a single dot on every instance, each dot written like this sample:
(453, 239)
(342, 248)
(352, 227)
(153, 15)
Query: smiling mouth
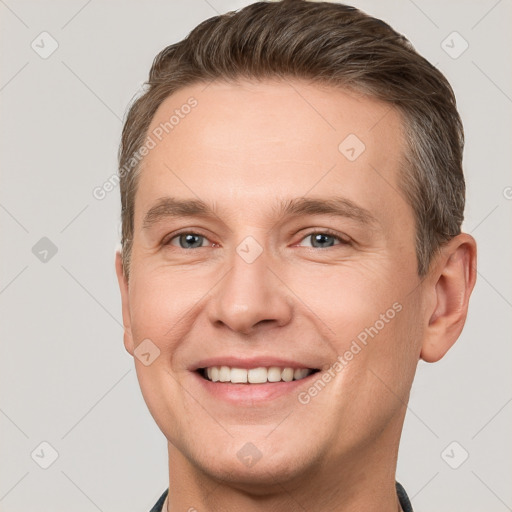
(260, 375)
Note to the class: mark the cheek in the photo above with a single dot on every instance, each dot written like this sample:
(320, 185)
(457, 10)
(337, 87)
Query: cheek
(159, 307)
(160, 303)
(391, 355)
(371, 324)
(347, 300)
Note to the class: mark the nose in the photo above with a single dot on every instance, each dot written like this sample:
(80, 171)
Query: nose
(251, 297)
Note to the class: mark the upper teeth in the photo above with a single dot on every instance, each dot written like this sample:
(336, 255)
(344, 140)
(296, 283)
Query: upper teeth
(255, 375)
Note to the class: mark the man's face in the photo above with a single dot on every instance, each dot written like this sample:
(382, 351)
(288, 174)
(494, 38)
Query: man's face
(257, 285)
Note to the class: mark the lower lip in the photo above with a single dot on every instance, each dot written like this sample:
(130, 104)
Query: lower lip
(251, 393)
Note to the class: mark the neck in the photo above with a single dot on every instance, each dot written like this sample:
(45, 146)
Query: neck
(363, 480)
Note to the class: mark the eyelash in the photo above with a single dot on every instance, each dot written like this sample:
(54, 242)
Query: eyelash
(326, 231)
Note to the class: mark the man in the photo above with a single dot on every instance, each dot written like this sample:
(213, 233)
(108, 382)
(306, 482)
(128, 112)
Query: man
(312, 160)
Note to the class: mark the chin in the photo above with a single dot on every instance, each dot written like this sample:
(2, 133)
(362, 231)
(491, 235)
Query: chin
(254, 471)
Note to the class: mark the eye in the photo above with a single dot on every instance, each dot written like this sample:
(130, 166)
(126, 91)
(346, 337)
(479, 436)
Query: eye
(319, 240)
(324, 239)
(187, 240)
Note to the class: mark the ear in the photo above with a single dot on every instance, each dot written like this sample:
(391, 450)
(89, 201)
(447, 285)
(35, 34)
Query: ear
(453, 278)
(125, 300)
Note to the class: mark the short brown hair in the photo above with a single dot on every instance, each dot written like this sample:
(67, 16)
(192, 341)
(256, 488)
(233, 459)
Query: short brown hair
(325, 43)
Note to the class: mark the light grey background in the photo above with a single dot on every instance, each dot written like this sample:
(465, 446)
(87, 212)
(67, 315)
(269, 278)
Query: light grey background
(65, 378)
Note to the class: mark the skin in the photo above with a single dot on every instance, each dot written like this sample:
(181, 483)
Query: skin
(244, 148)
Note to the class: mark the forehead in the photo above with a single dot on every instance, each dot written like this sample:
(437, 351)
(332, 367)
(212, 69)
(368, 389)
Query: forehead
(241, 142)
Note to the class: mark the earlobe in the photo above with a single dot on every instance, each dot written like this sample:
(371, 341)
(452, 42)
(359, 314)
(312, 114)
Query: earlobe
(455, 276)
(125, 301)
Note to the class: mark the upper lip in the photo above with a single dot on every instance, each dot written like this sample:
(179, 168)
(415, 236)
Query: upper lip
(250, 362)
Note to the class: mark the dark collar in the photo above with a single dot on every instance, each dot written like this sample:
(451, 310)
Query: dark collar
(403, 498)
(160, 503)
(400, 491)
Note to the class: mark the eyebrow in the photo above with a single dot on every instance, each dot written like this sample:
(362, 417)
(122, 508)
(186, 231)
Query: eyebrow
(171, 207)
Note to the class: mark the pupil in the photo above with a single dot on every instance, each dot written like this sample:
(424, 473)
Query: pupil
(321, 238)
(189, 239)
